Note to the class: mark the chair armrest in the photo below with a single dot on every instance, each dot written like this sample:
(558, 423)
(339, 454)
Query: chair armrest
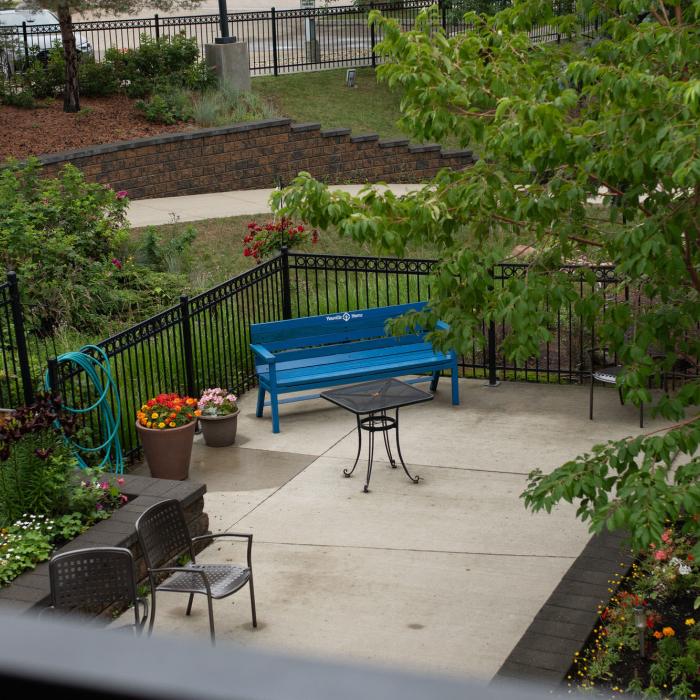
(180, 569)
(144, 604)
(239, 535)
(264, 353)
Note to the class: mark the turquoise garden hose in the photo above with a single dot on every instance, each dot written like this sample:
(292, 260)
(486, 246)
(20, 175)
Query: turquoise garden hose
(100, 376)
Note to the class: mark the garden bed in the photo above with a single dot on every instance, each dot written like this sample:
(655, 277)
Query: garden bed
(48, 129)
(31, 591)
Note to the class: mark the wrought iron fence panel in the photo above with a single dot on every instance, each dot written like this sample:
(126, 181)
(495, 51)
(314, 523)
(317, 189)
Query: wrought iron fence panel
(10, 380)
(279, 41)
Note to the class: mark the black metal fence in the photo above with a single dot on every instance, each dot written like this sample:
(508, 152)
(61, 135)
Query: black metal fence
(204, 340)
(278, 41)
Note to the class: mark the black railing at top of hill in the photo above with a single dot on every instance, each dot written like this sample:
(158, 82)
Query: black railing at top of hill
(278, 41)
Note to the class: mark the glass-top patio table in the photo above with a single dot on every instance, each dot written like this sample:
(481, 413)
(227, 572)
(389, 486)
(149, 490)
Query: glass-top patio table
(372, 400)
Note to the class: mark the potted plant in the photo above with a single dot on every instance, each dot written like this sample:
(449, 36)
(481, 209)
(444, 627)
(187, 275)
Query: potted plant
(166, 426)
(219, 417)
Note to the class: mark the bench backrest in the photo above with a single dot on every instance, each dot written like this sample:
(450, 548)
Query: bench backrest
(329, 329)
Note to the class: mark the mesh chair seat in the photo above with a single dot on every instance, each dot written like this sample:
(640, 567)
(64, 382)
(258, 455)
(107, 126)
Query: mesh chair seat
(164, 537)
(223, 580)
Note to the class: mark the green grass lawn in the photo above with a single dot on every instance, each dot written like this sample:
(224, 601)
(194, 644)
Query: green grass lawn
(218, 247)
(322, 96)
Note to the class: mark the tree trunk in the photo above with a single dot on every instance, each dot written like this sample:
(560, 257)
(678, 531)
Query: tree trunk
(71, 93)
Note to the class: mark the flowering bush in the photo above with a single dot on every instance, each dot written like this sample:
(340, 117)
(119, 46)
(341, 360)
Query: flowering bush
(217, 402)
(264, 240)
(660, 596)
(168, 411)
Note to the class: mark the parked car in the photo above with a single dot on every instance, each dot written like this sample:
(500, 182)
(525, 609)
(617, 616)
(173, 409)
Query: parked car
(41, 36)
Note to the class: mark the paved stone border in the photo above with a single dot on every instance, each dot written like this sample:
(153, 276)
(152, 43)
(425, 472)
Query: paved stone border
(31, 591)
(565, 622)
(254, 155)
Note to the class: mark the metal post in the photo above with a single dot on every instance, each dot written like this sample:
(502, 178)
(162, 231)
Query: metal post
(223, 19)
(25, 40)
(373, 39)
(443, 12)
(187, 344)
(286, 287)
(274, 40)
(157, 28)
(54, 381)
(493, 379)
(20, 338)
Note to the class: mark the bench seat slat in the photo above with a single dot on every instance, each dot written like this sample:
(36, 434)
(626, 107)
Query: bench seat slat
(370, 354)
(355, 368)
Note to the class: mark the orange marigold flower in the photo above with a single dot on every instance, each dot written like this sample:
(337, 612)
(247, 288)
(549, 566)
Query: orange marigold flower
(658, 634)
(197, 413)
(668, 632)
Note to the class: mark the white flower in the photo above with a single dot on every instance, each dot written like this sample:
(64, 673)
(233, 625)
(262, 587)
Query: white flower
(675, 561)
(684, 570)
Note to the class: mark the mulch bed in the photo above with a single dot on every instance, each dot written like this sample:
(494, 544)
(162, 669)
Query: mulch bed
(48, 129)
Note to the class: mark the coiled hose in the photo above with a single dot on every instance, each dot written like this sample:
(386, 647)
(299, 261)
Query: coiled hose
(95, 363)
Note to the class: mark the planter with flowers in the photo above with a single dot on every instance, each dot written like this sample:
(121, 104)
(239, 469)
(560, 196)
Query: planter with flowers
(166, 426)
(219, 417)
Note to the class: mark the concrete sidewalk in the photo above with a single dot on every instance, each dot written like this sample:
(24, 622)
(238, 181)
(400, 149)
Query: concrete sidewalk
(217, 205)
(440, 576)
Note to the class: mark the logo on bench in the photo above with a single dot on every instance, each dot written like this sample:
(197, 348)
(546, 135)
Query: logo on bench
(343, 317)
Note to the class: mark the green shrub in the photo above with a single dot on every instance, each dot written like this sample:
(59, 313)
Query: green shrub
(157, 64)
(22, 99)
(61, 235)
(96, 79)
(168, 106)
(173, 255)
(45, 79)
(228, 106)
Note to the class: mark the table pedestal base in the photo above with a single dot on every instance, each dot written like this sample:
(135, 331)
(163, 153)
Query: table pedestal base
(379, 422)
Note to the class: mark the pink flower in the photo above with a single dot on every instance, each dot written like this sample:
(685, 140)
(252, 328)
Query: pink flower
(120, 480)
(660, 555)
(104, 485)
(121, 194)
(99, 506)
(123, 498)
(666, 537)
(117, 263)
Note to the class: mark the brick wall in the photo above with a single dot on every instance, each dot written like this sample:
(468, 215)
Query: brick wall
(252, 156)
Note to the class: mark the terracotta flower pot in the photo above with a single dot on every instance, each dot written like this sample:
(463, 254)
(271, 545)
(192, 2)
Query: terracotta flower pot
(168, 451)
(219, 431)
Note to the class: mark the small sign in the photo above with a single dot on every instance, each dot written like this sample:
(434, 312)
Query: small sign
(307, 4)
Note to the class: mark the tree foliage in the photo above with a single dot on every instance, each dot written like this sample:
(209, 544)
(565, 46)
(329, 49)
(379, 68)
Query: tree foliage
(589, 154)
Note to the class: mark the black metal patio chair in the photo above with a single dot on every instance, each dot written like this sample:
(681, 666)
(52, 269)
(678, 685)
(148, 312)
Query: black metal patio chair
(164, 537)
(88, 581)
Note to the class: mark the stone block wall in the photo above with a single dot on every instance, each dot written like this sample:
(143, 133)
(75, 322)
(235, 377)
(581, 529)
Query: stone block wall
(255, 155)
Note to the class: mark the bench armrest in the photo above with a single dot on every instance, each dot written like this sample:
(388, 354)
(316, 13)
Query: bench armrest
(264, 353)
(442, 326)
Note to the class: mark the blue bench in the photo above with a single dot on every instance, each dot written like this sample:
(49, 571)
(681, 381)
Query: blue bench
(343, 348)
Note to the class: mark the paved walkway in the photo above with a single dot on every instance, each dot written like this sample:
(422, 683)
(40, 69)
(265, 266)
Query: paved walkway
(440, 576)
(146, 212)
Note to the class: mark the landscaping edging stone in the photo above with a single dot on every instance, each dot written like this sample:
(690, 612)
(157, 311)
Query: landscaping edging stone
(253, 155)
(30, 591)
(564, 624)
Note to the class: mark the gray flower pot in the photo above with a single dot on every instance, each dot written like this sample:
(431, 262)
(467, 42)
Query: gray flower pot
(219, 431)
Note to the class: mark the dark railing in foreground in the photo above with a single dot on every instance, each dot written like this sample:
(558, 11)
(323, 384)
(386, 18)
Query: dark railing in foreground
(279, 41)
(204, 340)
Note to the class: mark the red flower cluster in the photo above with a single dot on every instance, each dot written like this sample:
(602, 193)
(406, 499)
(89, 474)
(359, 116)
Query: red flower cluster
(264, 240)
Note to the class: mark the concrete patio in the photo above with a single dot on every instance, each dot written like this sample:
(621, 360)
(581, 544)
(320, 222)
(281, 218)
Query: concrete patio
(442, 576)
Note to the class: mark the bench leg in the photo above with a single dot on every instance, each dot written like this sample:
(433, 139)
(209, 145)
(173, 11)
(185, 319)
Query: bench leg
(434, 382)
(261, 402)
(455, 386)
(275, 413)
